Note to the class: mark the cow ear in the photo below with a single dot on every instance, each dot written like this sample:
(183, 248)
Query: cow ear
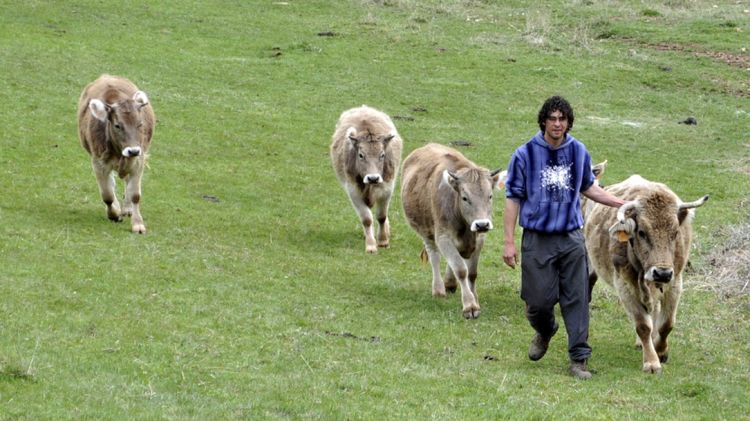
(451, 179)
(499, 176)
(388, 138)
(140, 98)
(622, 231)
(350, 132)
(99, 110)
(598, 169)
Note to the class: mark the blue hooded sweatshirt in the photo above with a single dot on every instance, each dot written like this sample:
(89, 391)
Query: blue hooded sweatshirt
(547, 182)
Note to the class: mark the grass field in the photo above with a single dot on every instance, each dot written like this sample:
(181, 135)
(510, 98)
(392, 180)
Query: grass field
(251, 297)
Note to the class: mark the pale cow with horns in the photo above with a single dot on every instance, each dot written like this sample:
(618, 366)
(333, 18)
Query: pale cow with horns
(115, 124)
(366, 154)
(641, 249)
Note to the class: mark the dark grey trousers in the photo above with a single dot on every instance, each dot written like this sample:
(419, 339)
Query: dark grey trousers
(555, 269)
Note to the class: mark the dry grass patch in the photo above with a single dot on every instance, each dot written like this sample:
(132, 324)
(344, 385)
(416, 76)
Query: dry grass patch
(727, 269)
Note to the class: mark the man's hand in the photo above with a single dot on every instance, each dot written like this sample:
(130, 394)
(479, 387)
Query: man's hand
(510, 255)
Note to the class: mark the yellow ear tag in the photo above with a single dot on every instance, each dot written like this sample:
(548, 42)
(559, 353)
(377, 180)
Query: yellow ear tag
(622, 236)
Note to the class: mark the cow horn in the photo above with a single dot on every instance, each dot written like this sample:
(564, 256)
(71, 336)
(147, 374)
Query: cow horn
(695, 204)
(626, 207)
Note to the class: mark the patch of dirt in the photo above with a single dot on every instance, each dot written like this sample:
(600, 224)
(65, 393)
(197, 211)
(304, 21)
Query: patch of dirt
(734, 60)
(739, 61)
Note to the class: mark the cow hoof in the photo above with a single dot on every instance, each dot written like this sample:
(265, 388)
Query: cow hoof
(384, 244)
(450, 289)
(471, 314)
(115, 218)
(652, 368)
(371, 250)
(438, 294)
(139, 229)
(663, 358)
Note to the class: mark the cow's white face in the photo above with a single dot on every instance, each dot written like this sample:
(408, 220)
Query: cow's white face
(474, 189)
(369, 155)
(124, 121)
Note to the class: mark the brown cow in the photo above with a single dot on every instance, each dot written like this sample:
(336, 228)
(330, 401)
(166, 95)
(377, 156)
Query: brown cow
(641, 249)
(366, 154)
(115, 124)
(447, 199)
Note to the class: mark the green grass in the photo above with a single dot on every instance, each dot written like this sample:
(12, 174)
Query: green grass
(251, 295)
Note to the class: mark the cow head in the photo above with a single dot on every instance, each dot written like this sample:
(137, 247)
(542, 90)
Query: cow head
(370, 155)
(124, 120)
(653, 227)
(474, 187)
(598, 170)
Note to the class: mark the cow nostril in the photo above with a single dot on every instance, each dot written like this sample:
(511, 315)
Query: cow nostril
(481, 226)
(663, 275)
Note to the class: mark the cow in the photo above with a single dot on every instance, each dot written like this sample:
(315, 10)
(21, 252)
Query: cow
(447, 200)
(641, 250)
(366, 154)
(115, 125)
(586, 203)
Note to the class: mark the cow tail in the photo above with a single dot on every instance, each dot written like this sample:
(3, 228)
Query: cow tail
(423, 256)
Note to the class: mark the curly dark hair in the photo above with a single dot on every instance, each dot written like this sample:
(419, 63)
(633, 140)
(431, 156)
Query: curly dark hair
(552, 104)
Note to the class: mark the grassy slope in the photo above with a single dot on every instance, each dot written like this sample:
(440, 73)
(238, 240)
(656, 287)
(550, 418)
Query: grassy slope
(263, 303)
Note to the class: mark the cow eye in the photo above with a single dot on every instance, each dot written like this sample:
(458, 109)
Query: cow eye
(465, 199)
(361, 155)
(118, 126)
(642, 234)
(382, 156)
(490, 197)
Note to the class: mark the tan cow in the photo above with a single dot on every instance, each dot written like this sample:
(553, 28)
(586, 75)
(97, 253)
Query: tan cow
(641, 249)
(447, 199)
(115, 124)
(366, 154)
(586, 203)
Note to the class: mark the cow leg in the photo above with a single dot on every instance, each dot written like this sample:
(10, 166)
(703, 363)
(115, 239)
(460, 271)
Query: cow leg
(133, 200)
(106, 180)
(438, 289)
(473, 265)
(593, 277)
(450, 280)
(644, 327)
(384, 228)
(461, 271)
(365, 216)
(665, 321)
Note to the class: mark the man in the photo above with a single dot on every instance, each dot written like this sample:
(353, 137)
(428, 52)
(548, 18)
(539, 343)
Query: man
(545, 177)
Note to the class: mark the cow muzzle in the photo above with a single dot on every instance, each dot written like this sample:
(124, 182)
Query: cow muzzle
(481, 225)
(373, 179)
(661, 275)
(131, 151)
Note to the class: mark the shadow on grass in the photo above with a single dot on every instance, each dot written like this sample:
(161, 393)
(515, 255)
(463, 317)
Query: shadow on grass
(15, 373)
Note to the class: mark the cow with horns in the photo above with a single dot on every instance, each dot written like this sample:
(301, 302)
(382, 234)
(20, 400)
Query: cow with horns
(642, 249)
